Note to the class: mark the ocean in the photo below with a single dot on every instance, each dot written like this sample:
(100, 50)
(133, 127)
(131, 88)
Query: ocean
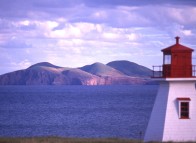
(76, 111)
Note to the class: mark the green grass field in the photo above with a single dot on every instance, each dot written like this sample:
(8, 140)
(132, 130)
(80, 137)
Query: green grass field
(65, 140)
(71, 140)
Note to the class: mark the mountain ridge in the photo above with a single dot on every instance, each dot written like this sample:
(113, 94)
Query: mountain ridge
(113, 73)
(100, 69)
(130, 68)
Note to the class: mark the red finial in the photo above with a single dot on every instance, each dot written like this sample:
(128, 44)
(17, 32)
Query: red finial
(177, 40)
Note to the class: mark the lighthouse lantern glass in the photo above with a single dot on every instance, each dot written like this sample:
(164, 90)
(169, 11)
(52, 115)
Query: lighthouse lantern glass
(167, 59)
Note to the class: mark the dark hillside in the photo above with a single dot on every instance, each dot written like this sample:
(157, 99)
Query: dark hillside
(114, 73)
(100, 69)
(130, 68)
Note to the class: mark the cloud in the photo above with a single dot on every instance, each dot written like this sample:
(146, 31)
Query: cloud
(113, 3)
(59, 8)
(22, 64)
(87, 31)
(16, 43)
(182, 15)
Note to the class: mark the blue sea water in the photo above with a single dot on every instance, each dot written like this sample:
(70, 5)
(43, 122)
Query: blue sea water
(76, 111)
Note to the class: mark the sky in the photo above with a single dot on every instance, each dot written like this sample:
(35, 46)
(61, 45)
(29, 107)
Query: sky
(74, 33)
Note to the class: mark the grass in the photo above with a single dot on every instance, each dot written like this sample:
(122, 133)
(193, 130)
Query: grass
(71, 140)
(66, 140)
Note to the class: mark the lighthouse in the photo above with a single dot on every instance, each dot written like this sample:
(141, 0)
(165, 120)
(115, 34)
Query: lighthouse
(173, 117)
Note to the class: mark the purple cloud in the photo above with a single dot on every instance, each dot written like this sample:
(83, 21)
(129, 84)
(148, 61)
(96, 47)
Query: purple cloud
(87, 31)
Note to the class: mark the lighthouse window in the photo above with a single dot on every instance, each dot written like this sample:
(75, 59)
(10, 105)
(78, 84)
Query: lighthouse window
(184, 105)
(167, 59)
(184, 110)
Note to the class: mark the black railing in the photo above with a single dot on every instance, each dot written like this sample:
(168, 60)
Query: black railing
(157, 71)
(166, 71)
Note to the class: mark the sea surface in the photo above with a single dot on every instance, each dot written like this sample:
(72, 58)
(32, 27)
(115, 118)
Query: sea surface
(76, 111)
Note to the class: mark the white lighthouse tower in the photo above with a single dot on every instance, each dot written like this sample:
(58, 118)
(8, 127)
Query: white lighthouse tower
(173, 117)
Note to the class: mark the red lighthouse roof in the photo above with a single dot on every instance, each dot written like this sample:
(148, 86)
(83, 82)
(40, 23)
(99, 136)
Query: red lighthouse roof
(177, 61)
(177, 47)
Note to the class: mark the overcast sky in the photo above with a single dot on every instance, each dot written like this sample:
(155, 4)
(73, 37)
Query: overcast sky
(73, 33)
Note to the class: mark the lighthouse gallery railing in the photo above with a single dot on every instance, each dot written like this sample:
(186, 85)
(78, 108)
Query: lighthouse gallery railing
(158, 71)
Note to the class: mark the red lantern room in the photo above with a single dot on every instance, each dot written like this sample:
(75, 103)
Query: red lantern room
(177, 61)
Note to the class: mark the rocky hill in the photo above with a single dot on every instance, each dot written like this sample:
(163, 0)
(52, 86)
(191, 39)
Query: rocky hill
(113, 73)
(130, 68)
(100, 69)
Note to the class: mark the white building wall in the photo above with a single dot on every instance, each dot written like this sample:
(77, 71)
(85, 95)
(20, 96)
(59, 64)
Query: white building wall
(176, 129)
(164, 124)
